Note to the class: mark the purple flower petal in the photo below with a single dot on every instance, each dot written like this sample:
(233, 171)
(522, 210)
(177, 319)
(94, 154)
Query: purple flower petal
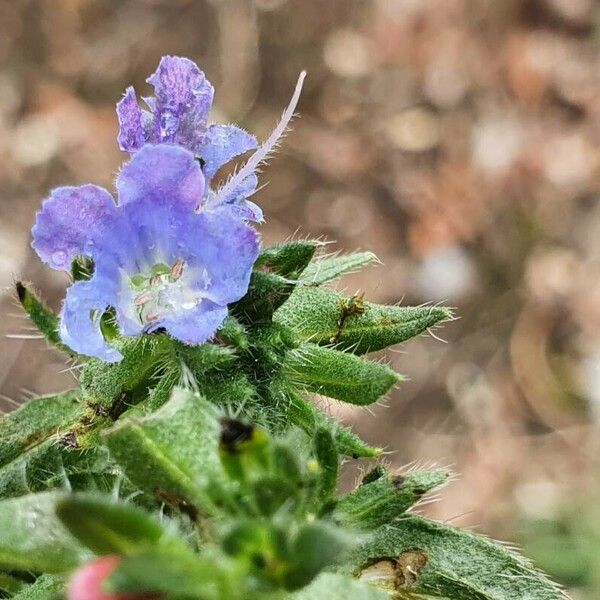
(161, 175)
(131, 133)
(71, 223)
(183, 100)
(221, 144)
(197, 325)
(84, 304)
(225, 248)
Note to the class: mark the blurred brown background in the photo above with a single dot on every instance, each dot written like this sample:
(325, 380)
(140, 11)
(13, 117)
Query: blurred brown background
(458, 139)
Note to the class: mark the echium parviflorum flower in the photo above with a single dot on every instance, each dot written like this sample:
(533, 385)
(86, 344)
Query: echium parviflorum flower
(160, 260)
(178, 114)
(171, 253)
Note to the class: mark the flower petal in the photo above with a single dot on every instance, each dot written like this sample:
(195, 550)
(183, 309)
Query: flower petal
(84, 304)
(223, 249)
(183, 99)
(131, 130)
(161, 175)
(70, 223)
(197, 325)
(222, 143)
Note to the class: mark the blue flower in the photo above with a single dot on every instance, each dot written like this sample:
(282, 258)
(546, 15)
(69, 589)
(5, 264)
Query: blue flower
(160, 259)
(178, 114)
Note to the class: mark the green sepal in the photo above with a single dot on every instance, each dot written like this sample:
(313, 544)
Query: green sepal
(333, 267)
(386, 497)
(324, 316)
(305, 415)
(289, 259)
(34, 539)
(266, 293)
(42, 317)
(108, 527)
(423, 557)
(82, 268)
(233, 333)
(171, 453)
(339, 375)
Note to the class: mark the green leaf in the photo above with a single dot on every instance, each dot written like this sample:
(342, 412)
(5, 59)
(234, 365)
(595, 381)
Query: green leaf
(305, 415)
(45, 587)
(385, 498)
(35, 422)
(330, 268)
(172, 453)
(324, 316)
(425, 557)
(339, 375)
(41, 316)
(289, 259)
(327, 454)
(31, 455)
(109, 384)
(33, 538)
(316, 547)
(267, 292)
(108, 527)
(10, 585)
(178, 575)
(334, 586)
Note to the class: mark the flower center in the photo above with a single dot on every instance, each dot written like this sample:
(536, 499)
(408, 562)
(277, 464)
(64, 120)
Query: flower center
(161, 292)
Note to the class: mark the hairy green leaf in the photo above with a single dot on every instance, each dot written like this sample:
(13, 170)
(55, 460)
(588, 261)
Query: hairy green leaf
(432, 559)
(33, 538)
(334, 586)
(41, 316)
(45, 587)
(327, 454)
(324, 316)
(108, 527)
(289, 259)
(339, 375)
(305, 415)
(267, 292)
(171, 453)
(332, 267)
(385, 498)
(31, 454)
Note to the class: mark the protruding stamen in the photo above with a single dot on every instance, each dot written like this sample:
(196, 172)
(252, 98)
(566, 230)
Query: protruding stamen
(177, 270)
(142, 299)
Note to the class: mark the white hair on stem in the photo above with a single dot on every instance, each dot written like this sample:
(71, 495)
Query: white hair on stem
(266, 148)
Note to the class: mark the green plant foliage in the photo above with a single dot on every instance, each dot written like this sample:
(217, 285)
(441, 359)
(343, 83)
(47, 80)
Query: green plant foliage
(288, 260)
(333, 267)
(41, 316)
(33, 538)
(339, 375)
(380, 500)
(211, 474)
(323, 316)
(171, 453)
(415, 556)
